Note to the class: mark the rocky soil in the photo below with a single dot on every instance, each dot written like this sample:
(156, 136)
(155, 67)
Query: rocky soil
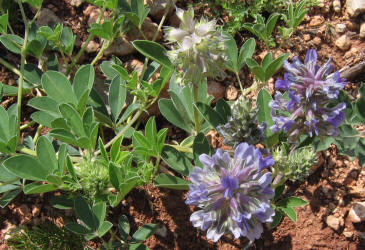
(334, 218)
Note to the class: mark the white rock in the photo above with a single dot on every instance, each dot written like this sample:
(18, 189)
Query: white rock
(357, 212)
(334, 222)
(149, 29)
(76, 3)
(120, 47)
(316, 21)
(47, 18)
(92, 47)
(355, 7)
(216, 90)
(362, 30)
(336, 5)
(343, 43)
(158, 7)
(340, 28)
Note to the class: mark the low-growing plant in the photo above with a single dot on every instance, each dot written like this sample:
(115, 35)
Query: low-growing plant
(262, 29)
(236, 189)
(292, 18)
(44, 236)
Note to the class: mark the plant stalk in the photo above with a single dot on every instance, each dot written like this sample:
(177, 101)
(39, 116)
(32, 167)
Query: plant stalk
(196, 112)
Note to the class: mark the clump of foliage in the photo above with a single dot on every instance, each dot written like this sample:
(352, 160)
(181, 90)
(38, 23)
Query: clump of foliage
(45, 236)
(237, 190)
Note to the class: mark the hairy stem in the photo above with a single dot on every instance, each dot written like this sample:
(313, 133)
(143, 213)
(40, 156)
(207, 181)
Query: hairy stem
(121, 133)
(83, 47)
(196, 112)
(239, 81)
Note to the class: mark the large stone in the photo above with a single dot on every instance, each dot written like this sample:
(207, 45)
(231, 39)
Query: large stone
(47, 18)
(216, 90)
(149, 29)
(355, 7)
(357, 212)
(334, 222)
(362, 30)
(343, 43)
(158, 7)
(120, 47)
(76, 3)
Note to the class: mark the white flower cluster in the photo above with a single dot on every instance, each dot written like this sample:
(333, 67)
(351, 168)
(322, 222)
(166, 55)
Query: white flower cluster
(199, 49)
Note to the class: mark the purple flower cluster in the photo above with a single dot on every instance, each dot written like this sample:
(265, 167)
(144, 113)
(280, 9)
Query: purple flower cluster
(310, 89)
(233, 194)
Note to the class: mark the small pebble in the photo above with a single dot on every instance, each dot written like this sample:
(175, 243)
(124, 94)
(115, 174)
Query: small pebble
(357, 212)
(340, 28)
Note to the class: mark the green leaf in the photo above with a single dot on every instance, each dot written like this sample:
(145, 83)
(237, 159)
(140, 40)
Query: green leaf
(292, 202)
(200, 146)
(6, 198)
(232, 54)
(124, 227)
(45, 103)
(77, 228)
(290, 212)
(35, 48)
(117, 96)
(61, 202)
(99, 209)
(35, 3)
(264, 112)
(115, 175)
(182, 108)
(36, 188)
(276, 220)
(43, 118)
(246, 51)
(144, 232)
(32, 74)
(169, 181)
(85, 214)
(73, 118)
(209, 114)
(58, 87)
(115, 150)
(46, 154)
(12, 42)
(83, 80)
(169, 111)
(153, 51)
(275, 65)
(104, 228)
(4, 23)
(223, 109)
(104, 30)
(25, 166)
(177, 160)
(279, 191)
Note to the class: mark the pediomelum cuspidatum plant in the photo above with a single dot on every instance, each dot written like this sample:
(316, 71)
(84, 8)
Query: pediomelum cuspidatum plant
(235, 191)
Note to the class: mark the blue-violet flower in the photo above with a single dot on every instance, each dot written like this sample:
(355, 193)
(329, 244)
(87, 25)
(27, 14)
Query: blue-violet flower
(310, 89)
(233, 194)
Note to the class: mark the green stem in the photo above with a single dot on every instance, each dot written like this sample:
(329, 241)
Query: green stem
(239, 81)
(27, 125)
(83, 47)
(9, 66)
(37, 134)
(196, 112)
(256, 85)
(34, 153)
(183, 149)
(156, 35)
(101, 51)
(121, 133)
(22, 64)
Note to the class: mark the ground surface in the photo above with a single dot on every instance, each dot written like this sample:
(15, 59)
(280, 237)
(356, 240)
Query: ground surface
(331, 190)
